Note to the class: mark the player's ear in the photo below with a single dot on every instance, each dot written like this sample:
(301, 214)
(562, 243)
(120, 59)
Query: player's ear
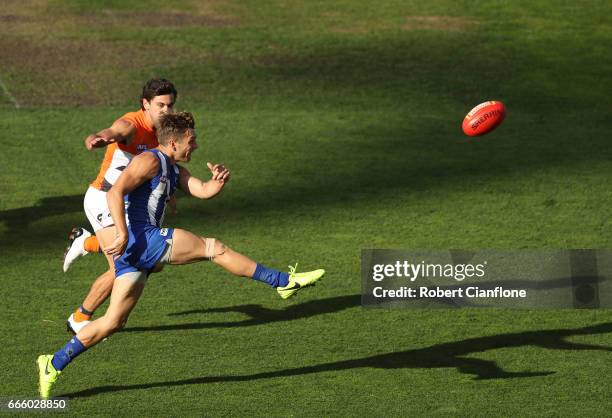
(146, 104)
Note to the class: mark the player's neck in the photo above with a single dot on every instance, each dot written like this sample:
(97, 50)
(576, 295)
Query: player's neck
(168, 151)
(148, 120)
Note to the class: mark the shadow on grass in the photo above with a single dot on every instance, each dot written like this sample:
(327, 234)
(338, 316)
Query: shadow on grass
(446, 355)
(260, 315)
(18, 220)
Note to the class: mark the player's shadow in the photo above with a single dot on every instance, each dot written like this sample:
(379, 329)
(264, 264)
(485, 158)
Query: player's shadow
(16, 220)
(260, 315)
(446, 355)
(19, 234)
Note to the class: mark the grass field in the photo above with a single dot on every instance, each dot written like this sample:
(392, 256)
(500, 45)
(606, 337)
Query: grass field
(341, 123)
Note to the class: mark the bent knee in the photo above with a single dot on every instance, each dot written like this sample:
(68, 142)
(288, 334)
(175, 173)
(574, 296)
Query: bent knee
(119, 325)
(213, 248)
(114, 324)
(220, 248)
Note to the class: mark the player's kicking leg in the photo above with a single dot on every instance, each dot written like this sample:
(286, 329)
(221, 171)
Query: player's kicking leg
(190, 248)
(126, 292)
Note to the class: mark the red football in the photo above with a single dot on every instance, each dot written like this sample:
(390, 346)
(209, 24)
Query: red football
(484, 118)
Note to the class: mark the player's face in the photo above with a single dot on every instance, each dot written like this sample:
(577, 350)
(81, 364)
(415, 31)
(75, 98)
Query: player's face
(158, 106)
(186, 146)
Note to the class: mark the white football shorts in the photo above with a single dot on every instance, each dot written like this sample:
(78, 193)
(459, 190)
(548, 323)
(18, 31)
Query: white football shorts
(96, 209)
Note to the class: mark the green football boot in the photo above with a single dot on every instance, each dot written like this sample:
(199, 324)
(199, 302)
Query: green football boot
(47, 375)
(299, 281)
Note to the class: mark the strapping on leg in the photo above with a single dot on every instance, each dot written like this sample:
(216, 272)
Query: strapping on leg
(209, 251)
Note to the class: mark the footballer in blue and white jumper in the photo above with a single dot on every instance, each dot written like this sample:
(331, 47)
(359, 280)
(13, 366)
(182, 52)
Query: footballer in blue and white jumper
(137, 203)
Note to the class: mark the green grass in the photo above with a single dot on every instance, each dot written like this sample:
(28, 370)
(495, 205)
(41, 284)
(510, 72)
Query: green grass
(340, 122)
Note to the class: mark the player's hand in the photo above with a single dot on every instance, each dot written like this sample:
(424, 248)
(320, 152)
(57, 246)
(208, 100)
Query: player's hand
(117, 247)
(94, 141)
(219, 173)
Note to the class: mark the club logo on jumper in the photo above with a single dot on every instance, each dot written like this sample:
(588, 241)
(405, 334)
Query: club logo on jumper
(163, 179)
(163, 232)
(141, 147)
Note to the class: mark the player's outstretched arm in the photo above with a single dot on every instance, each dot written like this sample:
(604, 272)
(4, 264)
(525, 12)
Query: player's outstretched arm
(142, 168)
(120, 131)
(220, 175)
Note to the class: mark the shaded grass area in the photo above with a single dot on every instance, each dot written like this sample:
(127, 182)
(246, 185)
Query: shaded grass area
(306, 55)
(341, 125)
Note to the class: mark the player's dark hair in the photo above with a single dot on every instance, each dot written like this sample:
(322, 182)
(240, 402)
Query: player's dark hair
(157, 87)
(174, 125)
